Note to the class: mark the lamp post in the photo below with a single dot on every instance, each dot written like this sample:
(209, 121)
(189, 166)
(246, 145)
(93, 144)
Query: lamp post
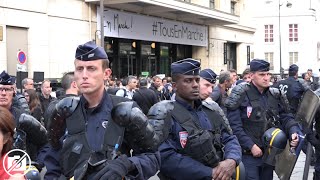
(289, 5)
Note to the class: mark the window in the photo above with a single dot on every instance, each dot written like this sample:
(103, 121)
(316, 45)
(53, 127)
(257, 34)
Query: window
(293, 32)
(269, 57)
(268, 33)
(186, 0)
(211, 5)
(293, 58)
(233, 7)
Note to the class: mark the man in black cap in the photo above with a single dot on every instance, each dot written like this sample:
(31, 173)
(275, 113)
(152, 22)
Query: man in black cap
(100, 128)
(30, 134)
(254, 108)
(191, 152)
(207, 82)
(292, 88)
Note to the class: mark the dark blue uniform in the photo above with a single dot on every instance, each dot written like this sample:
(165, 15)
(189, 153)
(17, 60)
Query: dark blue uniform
(178, 166)
(293, 90)
(146, 164)
(255, 168)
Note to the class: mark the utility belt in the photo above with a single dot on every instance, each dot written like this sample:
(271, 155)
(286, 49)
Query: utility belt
(200, 146)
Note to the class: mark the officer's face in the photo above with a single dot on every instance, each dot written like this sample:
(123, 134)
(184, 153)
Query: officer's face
(261, 79)
(90, 76)
(6, 95)
(187, 87)
(205, 88)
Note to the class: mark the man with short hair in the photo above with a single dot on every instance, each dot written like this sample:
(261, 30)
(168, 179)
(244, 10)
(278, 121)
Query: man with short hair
(27, 83)
(219, 93)
(191, 152)
(30, 134)
(253, 110)
(97, 145)
(234, 77)
(129, 90)
(145, 97)
(292, 88)
(157, 87)
(69, 84)
(45, 97)
(246, 75)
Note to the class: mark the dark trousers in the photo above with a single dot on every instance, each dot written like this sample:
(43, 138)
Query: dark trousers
(256, 169)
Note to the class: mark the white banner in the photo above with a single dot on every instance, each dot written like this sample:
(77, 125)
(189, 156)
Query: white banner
(132, 26)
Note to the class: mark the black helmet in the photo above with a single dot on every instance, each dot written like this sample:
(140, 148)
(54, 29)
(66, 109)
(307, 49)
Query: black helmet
(275, 141)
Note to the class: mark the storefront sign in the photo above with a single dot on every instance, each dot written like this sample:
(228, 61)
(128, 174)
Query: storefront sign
(145, 73)
(132, 26)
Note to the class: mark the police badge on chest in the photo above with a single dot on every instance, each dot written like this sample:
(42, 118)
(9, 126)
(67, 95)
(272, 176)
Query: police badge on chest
(249, 110)
(183, 135)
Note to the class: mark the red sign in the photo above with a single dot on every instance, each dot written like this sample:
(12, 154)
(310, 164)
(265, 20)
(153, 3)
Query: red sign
(22, 58)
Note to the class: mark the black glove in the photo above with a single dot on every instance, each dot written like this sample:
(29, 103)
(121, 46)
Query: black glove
(314, 139)
(115, 169)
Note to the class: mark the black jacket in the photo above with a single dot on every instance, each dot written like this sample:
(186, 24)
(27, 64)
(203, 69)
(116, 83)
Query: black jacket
(145, 98)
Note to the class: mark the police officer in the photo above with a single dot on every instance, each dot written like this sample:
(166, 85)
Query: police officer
(30, 135)
(193, 150)
(292, 87)
(252, 109)
(94, 139)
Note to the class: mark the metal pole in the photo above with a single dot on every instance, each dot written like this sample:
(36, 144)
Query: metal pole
(102, 23)
(281, 70)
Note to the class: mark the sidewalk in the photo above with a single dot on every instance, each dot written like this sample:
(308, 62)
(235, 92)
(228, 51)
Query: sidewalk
(297, 173)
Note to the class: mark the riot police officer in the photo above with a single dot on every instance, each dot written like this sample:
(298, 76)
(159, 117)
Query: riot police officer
(292, 87)
(252, 109)
(97, 146)
(30, 135)
(194, 147)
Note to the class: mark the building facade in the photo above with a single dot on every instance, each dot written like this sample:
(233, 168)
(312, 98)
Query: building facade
(141, 37)
(287, 34)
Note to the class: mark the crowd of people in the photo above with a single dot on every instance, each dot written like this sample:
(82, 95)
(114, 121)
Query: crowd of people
(194, 124)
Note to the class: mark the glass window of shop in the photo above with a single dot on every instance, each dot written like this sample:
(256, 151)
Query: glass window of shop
(135, 57)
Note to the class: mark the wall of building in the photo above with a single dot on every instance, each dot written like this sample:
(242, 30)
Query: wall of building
(55, 28)
(300, 13)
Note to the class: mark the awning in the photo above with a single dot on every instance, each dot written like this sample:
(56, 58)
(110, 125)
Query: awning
(174, 10)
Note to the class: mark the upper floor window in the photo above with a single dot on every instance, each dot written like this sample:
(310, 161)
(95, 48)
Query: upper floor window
(268, 33)
(211, 5)
(293, 32)
(293, 58)
(269, 57)
(233, 7)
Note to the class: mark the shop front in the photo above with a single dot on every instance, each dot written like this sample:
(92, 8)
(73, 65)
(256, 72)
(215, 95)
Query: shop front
(145, 46)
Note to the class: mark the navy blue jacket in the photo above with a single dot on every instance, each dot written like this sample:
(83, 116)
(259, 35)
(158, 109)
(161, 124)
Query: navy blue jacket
(237, 116)
(177, 166)
(294, 92)
(146, 164)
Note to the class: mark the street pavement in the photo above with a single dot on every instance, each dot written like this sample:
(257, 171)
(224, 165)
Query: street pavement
(297, 173)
